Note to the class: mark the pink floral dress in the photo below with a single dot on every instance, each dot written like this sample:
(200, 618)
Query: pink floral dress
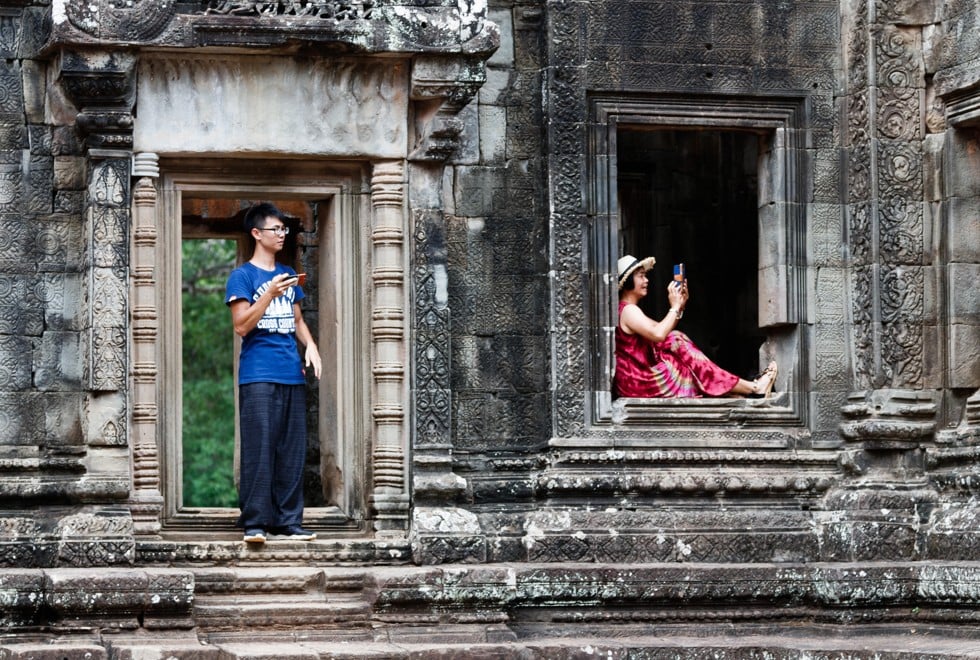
(674, 367)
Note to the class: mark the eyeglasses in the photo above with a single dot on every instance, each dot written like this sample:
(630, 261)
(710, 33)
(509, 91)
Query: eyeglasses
(280, 230)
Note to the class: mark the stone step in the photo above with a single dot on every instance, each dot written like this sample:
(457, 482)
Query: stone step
(792, 644)
(280, 598)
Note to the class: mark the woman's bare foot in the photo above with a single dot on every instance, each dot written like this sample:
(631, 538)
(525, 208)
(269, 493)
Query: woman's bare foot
(763, 385)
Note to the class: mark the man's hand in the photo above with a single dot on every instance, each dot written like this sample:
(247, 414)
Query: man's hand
(313, 358)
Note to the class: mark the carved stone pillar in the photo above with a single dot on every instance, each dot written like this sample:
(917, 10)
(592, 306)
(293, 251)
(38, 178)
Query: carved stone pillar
(389, 496)
(892, 416)
(146, 501)
(101, 85)
(885, 201)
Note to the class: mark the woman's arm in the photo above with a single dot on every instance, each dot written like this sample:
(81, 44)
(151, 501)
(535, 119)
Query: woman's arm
(634, 321)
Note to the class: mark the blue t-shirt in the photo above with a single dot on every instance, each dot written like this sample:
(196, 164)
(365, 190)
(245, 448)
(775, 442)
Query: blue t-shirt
(269, 352)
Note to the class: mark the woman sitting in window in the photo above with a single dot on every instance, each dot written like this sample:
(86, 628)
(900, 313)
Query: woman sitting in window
(653, 359)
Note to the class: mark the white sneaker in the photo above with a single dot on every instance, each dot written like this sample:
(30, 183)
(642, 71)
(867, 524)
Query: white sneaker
(254, 536)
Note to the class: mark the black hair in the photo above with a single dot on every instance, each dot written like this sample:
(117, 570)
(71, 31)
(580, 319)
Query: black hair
(629, 284)
(258, 213)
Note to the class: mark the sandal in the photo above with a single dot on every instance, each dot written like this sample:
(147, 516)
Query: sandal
(772, 371)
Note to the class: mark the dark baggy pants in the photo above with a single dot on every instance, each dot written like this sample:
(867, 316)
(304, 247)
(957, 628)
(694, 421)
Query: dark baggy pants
(273, 453)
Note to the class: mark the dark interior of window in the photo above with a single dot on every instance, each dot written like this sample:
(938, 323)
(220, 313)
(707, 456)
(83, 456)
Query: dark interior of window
(691, 196)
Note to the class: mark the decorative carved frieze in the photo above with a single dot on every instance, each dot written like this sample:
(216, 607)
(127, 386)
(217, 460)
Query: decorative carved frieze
(364, 26)
(885, 199)
(108, 216)
(336, 10)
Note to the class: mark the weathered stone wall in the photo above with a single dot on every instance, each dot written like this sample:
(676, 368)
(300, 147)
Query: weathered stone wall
(489, 439)
(65, 462)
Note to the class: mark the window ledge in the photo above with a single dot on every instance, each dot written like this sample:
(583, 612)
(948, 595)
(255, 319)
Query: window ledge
(643, 411)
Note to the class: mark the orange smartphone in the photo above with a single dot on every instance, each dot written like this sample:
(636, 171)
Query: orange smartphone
(301, 279)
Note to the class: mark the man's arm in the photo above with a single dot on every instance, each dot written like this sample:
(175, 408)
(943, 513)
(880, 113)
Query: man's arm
(246, 315)
(306, 338)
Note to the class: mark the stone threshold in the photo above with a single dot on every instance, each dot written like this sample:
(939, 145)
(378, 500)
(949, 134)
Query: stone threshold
(232, 550)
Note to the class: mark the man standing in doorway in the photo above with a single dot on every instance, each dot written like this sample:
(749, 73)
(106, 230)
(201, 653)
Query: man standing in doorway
(264, 296)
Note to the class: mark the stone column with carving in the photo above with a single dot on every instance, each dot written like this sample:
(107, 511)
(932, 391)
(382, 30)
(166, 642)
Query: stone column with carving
(441, 529)
(892, 414)
(146, 501)
(102, 87)
(389, 496)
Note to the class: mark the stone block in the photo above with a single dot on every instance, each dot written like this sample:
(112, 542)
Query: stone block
(39, 191)
(65, 140)
(21, 419)
(34, 73)
(773, 303)
(826, 405)
(11, 191)
(41, 143)
(11, 81)
(470, 138)
(361, 106)
(59, 361)
(16, 355)
(63, 419)
(932, 167)
(830, 365)
(933, 375)
(501, 363)
(772, 235)
(64, 301)
(35, 29)
(62, 650)
(493, 133)
(825, 238)
(963, 228)
(826, 176)
(504, 55)
(496, 87)
(9, 32)
(474, 188)
(964, 356)
(13, 135)
(106, 419)
(89, 596)
(963, 178)
(69, 201)
(964, 293)
(70, 173)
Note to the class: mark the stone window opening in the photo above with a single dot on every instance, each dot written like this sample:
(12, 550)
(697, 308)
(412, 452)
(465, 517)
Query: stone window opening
(716, 183)
(691, 196)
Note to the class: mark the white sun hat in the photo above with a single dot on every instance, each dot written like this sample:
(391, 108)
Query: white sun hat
(627, 264)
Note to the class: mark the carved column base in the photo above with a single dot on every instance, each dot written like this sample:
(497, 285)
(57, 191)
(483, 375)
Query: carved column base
(879, 511)
(391, 513)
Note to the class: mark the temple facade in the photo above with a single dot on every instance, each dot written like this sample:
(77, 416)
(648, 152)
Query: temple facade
(462, 177)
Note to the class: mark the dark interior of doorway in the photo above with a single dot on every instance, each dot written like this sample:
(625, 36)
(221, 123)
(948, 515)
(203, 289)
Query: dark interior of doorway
(208, 417)
(691, 195)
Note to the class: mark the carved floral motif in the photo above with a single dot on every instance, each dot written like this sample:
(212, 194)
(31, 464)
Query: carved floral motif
(336, 10)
